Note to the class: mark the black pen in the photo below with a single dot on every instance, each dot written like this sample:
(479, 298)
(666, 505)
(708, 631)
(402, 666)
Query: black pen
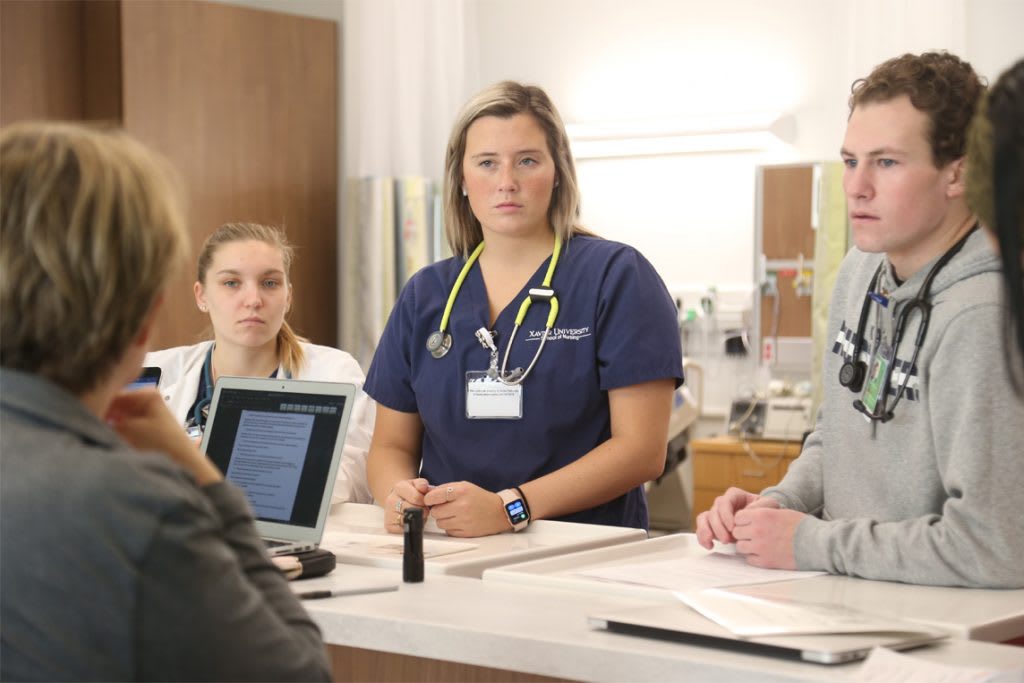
(319, 595)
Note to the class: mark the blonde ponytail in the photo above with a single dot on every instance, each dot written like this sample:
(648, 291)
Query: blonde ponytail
(289, 350)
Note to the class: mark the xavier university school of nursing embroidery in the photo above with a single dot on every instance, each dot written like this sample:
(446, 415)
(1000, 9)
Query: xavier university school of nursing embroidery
(560, 333)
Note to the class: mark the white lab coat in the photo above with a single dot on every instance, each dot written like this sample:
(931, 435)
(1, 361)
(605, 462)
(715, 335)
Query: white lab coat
(182, 366)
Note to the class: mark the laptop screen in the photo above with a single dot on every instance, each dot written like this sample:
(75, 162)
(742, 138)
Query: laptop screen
(277, 447)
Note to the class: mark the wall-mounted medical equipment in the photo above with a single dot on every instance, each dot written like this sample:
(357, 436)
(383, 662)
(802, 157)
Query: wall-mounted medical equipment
(780, 418)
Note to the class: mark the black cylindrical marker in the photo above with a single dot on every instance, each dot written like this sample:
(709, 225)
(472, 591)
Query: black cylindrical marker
(412, 557)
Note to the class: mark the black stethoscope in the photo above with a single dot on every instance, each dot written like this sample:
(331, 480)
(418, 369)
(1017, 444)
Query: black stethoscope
(201, 411)
(853, 371)
(202, 408)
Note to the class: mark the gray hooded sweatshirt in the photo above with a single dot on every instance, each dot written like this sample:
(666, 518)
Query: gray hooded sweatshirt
(936, 495)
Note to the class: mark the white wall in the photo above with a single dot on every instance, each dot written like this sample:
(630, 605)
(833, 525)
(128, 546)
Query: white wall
(692, 215)
(994, 29)
(606, 60)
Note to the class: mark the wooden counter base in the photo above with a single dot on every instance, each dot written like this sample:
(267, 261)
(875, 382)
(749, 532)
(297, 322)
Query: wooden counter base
(357, 664)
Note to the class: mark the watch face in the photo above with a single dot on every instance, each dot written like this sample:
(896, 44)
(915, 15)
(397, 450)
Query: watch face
(516, 512)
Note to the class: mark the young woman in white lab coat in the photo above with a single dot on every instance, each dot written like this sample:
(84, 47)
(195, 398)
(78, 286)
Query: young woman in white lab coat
(243, 285)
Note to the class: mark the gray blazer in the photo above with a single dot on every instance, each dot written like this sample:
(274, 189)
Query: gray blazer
(115, 565)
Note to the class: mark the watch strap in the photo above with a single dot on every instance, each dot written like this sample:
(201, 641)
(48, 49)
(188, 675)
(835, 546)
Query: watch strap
(526, 503)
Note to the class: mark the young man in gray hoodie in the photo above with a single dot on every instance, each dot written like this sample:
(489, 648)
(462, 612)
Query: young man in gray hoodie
(915, 469)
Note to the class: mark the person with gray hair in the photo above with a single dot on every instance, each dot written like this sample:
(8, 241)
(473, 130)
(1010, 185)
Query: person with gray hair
(533, 378)
(124, 555)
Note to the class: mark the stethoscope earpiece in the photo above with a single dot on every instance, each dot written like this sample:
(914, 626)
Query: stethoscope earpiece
(863, 410)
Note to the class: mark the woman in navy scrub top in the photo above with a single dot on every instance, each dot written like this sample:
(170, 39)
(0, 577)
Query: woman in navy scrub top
(478, 436)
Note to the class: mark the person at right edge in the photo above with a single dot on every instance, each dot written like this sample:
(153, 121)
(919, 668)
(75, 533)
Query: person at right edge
(913, 472)
(995, 191)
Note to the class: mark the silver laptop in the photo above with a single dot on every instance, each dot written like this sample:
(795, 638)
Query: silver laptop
(677, 622)
(280, 441)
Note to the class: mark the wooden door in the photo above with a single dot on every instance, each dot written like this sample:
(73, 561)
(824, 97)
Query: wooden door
(787, 233)
(244, 104)
(60, 60)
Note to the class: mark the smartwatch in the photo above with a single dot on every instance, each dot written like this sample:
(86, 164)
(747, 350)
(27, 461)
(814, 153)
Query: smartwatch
(515, 508)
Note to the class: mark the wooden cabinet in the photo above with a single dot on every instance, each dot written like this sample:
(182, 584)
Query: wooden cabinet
(243, 102)
(725, 461)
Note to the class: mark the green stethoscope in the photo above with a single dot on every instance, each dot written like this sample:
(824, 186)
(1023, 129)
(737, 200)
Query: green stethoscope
(439, 342)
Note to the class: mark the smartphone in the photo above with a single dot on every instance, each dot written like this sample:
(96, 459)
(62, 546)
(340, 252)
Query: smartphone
(150, 377)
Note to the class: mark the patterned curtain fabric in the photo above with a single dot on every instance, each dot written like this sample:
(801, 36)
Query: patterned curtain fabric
(830, 246)
(397, 231)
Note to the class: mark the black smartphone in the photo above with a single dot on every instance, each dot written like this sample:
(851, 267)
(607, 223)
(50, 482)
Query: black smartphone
(150, 377)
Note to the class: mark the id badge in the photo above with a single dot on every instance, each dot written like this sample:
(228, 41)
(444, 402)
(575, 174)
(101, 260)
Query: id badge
(487, 398)
(877, 373)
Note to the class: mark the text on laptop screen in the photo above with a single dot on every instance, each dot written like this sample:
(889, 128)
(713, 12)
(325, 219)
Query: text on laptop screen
(277, 448)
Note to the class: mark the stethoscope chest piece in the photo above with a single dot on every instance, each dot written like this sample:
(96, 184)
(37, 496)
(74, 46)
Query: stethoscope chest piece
(851, 374)
(438, 343)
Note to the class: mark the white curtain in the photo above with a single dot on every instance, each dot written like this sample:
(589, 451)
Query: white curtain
(408, 67)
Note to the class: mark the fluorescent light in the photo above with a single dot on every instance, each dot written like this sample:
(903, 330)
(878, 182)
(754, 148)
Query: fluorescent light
(718, 133)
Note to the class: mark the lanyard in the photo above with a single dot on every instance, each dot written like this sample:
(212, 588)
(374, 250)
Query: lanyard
(853, 372)
(201, 410)
(439, 342)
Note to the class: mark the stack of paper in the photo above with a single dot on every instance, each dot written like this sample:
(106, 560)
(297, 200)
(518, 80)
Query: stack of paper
(748, 616)
(693, 572)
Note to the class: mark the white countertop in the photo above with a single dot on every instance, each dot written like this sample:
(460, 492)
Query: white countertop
(356, 534)
(976, 614)
(544, 631)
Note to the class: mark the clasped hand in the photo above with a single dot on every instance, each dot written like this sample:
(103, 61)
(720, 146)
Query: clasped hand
(459, 508)
(762, 532)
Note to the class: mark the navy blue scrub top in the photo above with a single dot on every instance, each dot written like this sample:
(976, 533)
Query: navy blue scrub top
(616, 327)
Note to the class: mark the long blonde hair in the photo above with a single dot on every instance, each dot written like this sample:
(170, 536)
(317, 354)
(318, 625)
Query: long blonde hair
(505, 100)
(91, 229)
(289, 348)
